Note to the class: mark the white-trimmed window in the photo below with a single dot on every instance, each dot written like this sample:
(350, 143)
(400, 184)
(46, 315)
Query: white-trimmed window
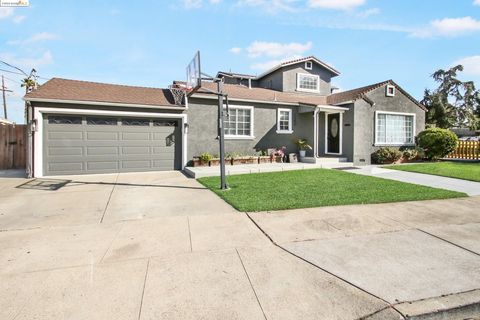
(393, 128)
(308, 82)
(390, 90)
(284, 121)
(239, 123)
(308, 65)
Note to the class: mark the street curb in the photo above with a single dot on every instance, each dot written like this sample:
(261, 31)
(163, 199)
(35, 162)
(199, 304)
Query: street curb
(463, 305)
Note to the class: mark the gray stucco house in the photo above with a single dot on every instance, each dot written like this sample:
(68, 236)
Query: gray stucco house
(81, 127)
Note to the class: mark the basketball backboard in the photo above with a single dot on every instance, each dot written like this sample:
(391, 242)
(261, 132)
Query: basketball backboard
(194, 74)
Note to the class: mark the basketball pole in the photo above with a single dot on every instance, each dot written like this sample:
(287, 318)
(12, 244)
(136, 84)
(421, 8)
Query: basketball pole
(221, 134)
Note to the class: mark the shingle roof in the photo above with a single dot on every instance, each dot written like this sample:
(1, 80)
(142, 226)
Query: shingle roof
(266, 95)
(235, 75)
(65, 89)
(359, 93)
(290, 62)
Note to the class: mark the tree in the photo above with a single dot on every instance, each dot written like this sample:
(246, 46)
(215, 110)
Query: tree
(28, 83)
(454, 103)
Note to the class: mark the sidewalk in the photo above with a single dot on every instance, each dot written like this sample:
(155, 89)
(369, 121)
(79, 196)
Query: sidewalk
(469, 187)
(421, 257)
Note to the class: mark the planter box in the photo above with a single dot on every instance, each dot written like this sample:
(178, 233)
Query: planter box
(216, 162)
(199, 163)
(277, 159)
(264, 159)
(244, 160)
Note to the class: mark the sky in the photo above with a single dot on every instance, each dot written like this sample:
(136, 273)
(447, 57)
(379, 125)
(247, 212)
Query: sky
(149, 43)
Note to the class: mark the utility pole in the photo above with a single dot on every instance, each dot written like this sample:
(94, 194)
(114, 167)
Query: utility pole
(4, 99)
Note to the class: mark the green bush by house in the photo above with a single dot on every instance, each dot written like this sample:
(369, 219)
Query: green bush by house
(437, 142)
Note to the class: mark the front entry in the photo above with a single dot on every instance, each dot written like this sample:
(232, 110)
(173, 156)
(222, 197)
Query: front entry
(333, 132)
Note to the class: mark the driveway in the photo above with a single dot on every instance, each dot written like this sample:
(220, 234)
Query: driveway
(152, 246)
(161, 246)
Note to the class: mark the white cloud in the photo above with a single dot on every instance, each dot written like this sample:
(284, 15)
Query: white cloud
(38, 37)
(18, 19)
(336, 4)
(192, 4)
(6, 12)
(275, 49)
(448, 27)
(27, 63)
(262, 66)
(195, 4)
(270, 6)
(470, 64)
(367, 13)
(476, 3)
(235, 50)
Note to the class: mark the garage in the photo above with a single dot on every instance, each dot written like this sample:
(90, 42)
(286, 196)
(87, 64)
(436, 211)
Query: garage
(87, 144)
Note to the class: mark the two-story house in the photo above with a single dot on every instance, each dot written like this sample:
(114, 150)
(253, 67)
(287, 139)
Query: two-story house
(87, 127)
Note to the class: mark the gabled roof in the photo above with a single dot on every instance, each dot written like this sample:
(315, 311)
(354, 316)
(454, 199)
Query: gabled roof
(86, 91)
(264, 95)
(292, 62)
(359, 93)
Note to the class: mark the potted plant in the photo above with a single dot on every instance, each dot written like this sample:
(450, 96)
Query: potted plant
(303, 146)
(278, 155)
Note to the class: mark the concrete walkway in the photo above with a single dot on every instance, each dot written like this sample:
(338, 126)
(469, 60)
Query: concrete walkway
(199, 172)
(469, 187)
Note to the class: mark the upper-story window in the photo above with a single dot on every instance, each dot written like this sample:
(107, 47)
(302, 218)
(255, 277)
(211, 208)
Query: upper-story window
(308, 65)
(308, 82)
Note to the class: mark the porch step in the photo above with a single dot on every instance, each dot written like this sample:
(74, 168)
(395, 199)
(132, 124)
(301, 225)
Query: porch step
(324, 160)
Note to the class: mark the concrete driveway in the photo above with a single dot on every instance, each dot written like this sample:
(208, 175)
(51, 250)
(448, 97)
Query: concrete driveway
(152, 246)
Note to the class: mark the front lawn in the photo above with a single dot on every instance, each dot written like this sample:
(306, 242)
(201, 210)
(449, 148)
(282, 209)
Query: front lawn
(316, 188)
(459, 170)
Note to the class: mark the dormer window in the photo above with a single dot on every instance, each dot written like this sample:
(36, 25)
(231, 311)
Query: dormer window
(308, 82)
(308, 65)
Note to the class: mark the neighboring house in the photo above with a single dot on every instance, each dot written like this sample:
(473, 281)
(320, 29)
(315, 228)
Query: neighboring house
(86, 127)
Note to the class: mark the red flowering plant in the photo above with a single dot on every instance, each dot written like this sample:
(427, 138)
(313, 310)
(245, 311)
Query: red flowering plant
(278, 153)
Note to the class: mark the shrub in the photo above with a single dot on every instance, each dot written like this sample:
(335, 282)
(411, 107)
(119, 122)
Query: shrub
(413, 153)
(437, 142)
(386, 155)
(206, 157)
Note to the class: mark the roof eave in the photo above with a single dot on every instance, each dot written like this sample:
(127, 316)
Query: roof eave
(102, 103)
(332, 70)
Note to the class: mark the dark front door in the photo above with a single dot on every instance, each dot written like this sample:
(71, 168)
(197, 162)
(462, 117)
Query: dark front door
(333, 133)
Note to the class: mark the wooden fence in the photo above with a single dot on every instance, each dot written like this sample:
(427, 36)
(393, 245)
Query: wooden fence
(468, 150)
(13, 149)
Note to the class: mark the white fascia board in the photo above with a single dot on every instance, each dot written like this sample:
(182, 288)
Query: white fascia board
(330, 108)
(99, 103)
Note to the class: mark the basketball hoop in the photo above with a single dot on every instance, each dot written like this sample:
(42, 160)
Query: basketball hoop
(178, 92)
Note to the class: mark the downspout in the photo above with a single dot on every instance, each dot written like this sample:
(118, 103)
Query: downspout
(30, 133)
(315, 133)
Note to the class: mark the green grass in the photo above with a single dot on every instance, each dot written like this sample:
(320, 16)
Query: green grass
(460, 170)
(316, 188)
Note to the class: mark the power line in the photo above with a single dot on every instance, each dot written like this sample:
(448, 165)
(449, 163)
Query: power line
(12, 66)
(14, 72)
(12, 80)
